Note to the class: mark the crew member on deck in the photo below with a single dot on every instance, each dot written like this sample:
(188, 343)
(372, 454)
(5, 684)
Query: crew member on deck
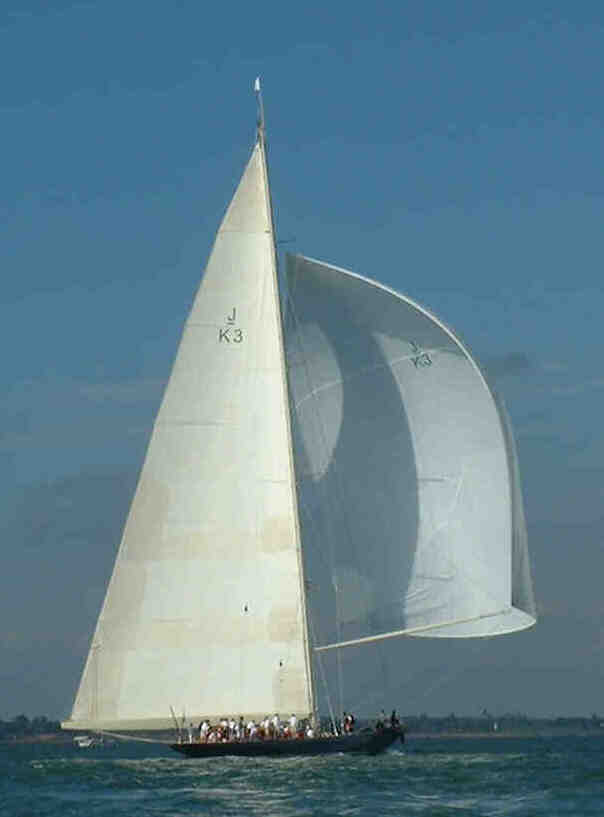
(266, 727)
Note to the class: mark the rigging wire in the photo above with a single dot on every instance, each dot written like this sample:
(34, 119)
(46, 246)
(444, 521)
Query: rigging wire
(323, 678)
(136, 739)
(312, 392)
(306, 509)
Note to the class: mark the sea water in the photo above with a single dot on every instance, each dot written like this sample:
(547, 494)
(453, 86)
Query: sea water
(491, 776)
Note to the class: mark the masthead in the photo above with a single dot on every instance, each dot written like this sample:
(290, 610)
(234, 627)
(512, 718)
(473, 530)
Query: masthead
(258, 92)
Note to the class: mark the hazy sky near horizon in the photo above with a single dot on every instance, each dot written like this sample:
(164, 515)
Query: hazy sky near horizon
(452, 151)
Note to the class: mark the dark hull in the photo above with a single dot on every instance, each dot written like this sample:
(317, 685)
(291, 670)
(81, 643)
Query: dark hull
(369, 742)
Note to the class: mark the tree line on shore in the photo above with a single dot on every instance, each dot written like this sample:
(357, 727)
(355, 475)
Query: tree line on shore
(508, 722)
(23, 727)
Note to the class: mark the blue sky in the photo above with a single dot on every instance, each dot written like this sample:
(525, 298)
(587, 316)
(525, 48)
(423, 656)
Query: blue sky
(452, 151)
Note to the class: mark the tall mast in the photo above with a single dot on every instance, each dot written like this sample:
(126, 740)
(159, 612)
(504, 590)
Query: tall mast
(306, 640)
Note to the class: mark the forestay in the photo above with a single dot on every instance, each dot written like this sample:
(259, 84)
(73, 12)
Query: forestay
(204, 610)
(410, 506)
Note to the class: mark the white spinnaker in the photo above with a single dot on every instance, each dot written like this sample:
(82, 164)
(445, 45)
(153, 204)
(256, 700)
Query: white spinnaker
(204, 611)
(410, 506)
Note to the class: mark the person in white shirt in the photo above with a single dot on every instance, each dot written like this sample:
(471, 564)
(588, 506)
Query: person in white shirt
(293, 726)
(266, 726)
(203, 731)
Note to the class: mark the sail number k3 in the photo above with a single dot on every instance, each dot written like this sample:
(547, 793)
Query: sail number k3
(230, 333)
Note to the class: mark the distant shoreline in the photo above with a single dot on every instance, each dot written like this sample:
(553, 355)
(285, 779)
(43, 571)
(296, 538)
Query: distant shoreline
(50, 737)
(525, 733)
(66, 738)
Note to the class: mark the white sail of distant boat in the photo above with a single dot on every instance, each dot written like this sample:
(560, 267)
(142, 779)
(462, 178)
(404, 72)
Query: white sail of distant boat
(329, 467)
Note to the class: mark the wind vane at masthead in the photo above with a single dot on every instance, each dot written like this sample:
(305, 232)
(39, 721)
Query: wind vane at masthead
(258, 93)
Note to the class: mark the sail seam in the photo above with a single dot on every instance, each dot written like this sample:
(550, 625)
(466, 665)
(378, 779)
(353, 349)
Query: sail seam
(187, 424)
(361, 372)
(243, 232)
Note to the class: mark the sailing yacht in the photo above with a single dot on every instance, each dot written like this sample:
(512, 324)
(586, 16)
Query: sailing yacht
(329, 468)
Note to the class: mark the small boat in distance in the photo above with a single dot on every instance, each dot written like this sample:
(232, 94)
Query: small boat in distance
(329, 470)
(84, 741)
(91, 741)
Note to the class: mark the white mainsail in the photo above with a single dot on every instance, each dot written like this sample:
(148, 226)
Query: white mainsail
(371, 493)
(204, 612)
(410, 506)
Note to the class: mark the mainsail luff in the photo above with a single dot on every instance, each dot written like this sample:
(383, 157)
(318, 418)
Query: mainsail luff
(312, 710)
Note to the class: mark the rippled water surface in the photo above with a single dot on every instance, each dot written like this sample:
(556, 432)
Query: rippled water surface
(557, 776)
